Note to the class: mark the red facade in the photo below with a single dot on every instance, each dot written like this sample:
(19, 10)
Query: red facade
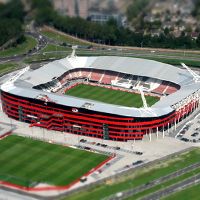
(86, 122)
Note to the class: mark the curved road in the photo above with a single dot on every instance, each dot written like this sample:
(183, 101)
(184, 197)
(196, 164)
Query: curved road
(42, 42)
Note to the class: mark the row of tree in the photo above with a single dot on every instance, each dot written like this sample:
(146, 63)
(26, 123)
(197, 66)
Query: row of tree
(109, 33)
(135, 8)
(12, 17)
(11, 22)
(196, 11)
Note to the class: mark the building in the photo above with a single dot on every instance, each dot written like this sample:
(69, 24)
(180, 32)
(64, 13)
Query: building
(41, 101)
(72, 8)
(104, 16)
(93, 10)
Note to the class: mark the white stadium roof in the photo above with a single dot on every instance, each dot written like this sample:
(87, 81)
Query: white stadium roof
(135, 66)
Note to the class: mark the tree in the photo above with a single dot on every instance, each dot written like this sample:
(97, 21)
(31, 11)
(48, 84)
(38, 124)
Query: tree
(11, 21)
(110, 32)
(135, 8)
(198, 41)
(44, 16)
(40, 4)
(166, 31)
(9, 29)
(13, 9)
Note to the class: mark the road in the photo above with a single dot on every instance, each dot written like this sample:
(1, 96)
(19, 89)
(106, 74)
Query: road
(117, 51)
(7, 194)
(167, 53)
(130, 54)
(174, 188)
(131, 192)
(42, 42)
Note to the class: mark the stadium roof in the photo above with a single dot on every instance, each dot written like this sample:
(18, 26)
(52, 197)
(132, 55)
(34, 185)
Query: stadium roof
(135, 66)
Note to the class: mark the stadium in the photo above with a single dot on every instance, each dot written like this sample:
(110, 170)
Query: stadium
(113, 98)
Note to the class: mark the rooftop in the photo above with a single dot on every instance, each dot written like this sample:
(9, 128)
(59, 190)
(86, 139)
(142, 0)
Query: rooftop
(140, 67)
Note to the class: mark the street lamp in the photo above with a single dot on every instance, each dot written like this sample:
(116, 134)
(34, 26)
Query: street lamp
(141, 44)
(184, 50)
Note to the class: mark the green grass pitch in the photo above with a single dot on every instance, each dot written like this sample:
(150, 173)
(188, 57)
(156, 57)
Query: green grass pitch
(25, 161)
(110, 96)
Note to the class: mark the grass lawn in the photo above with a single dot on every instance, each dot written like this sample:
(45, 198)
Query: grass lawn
(189, 193)
(110, 96)
(173, 61)
(187, 56)
(22, 48)
(54, 48)
(25, 161)
(63, 38)
(8, 67)
(165, 184)
(46, 57)
(84, 52)
(139, 176)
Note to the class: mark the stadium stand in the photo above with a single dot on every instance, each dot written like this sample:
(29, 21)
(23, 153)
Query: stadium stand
(110, 78)
(96, 75)
(24, 99)
(166, 88)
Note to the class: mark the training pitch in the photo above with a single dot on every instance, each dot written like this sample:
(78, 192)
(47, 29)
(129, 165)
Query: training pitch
(27, 162)
(110, 96)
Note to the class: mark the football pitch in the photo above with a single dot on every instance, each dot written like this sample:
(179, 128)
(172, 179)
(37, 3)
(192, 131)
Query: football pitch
(27, 162)
(110, 96)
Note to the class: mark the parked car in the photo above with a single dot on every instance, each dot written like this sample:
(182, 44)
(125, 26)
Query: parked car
(87, 148)
(138, 162)
(195, 134)
(185, 139)
(117, 148)
(83, 179)
(83, 140)
(138, 153)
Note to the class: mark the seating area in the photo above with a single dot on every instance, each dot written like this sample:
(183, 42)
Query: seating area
(160, 89)
(74, 75)
(86, 73)
(52, 86)
(171, 89)
(110, 78)
(165, 88)
(104, 77)
(96, 75)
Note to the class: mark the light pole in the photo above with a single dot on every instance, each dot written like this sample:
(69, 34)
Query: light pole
(141, 44)
(32, 131)
(78, 140)
(43, 133)
(184, 51)
(10, 123)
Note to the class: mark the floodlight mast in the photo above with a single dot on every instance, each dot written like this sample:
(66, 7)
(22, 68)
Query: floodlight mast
(143, 97)
(16, 76)
(73, 54)
(196, 77)
(145, 105)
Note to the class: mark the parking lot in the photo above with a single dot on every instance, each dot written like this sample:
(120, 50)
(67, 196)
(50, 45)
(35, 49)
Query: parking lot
(191, 131)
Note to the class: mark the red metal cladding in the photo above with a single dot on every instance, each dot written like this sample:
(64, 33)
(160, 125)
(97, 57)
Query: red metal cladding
(76, 121)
